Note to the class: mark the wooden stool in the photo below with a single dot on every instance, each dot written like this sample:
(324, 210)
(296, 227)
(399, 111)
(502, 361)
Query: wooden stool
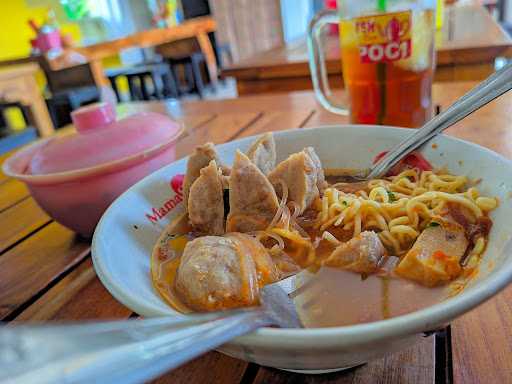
(193, 73)
(159, 74)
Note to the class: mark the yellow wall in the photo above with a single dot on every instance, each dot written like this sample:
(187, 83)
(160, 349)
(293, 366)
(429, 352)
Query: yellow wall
(16, 33)
(15, 40)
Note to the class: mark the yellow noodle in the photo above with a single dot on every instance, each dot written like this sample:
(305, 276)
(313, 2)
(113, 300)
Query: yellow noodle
(330, 238)
(479, 246)
(403, 220)
(400, 207)
(404, 230)
(379, 193)
(486, 203)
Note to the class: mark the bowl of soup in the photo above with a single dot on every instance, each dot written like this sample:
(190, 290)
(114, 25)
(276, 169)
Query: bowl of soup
(378, 263)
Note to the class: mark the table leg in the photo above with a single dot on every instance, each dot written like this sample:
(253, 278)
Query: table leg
(113, 84)
(133, 88)
(98, 74)
(39, 112)
(156, 78)
(196, 72)
(209, 56)
(170, 86)
(143, 88)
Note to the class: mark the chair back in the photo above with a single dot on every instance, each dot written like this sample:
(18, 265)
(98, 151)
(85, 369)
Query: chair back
(64, 79)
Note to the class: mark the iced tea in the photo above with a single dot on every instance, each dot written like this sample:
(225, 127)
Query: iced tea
(387, 64)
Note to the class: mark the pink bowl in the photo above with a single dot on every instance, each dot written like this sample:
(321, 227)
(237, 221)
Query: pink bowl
(78, 198)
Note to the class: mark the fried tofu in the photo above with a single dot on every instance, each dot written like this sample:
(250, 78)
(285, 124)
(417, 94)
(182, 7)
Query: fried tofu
(434, 259)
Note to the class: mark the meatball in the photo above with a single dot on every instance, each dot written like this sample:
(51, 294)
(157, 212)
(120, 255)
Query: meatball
(221, 272)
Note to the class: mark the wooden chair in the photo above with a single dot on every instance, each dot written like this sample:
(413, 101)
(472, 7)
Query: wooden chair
(70, 88)
(162, 82)
(178, 55)
(186, 55)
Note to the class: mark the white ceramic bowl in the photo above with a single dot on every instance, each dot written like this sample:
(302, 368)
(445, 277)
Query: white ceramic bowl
(125, 236)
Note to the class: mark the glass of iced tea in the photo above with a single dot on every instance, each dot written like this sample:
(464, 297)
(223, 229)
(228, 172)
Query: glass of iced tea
(387, 57)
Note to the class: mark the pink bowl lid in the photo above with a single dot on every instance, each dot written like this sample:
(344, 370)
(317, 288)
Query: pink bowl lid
(101, 140)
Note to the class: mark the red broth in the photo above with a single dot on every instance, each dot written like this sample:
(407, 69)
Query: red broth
(333, 297)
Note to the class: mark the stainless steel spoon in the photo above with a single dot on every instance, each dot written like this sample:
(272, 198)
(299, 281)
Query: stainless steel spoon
(492, 87)
(132, 351)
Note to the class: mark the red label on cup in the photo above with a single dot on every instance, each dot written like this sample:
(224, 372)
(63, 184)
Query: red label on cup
(382, 38)
(392, 51)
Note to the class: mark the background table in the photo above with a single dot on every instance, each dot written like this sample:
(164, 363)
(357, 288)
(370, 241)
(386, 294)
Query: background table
(467, 46)
(46, 271)
(198, 28)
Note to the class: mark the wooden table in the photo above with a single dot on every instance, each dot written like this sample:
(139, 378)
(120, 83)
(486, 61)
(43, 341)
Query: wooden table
(198, 27)
(18, 84)
(467, 46)
(46, 272)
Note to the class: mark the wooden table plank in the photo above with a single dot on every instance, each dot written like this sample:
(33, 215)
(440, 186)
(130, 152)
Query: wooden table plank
(169, 107)
(50, 303)
(214, 367)
(413, 365)
(30, 267)
(79, 295)
(289, 102)
(3, 156)
(223, 128)
(95, 303)
(19, 221)
(278, 121)
(323, 117)
(11, 192)
(482, 343)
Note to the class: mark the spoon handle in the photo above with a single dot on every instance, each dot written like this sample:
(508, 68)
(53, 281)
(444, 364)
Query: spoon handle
(129, 351)
(491, 88)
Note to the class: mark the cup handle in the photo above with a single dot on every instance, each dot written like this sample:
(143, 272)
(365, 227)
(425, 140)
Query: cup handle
(317, 61)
